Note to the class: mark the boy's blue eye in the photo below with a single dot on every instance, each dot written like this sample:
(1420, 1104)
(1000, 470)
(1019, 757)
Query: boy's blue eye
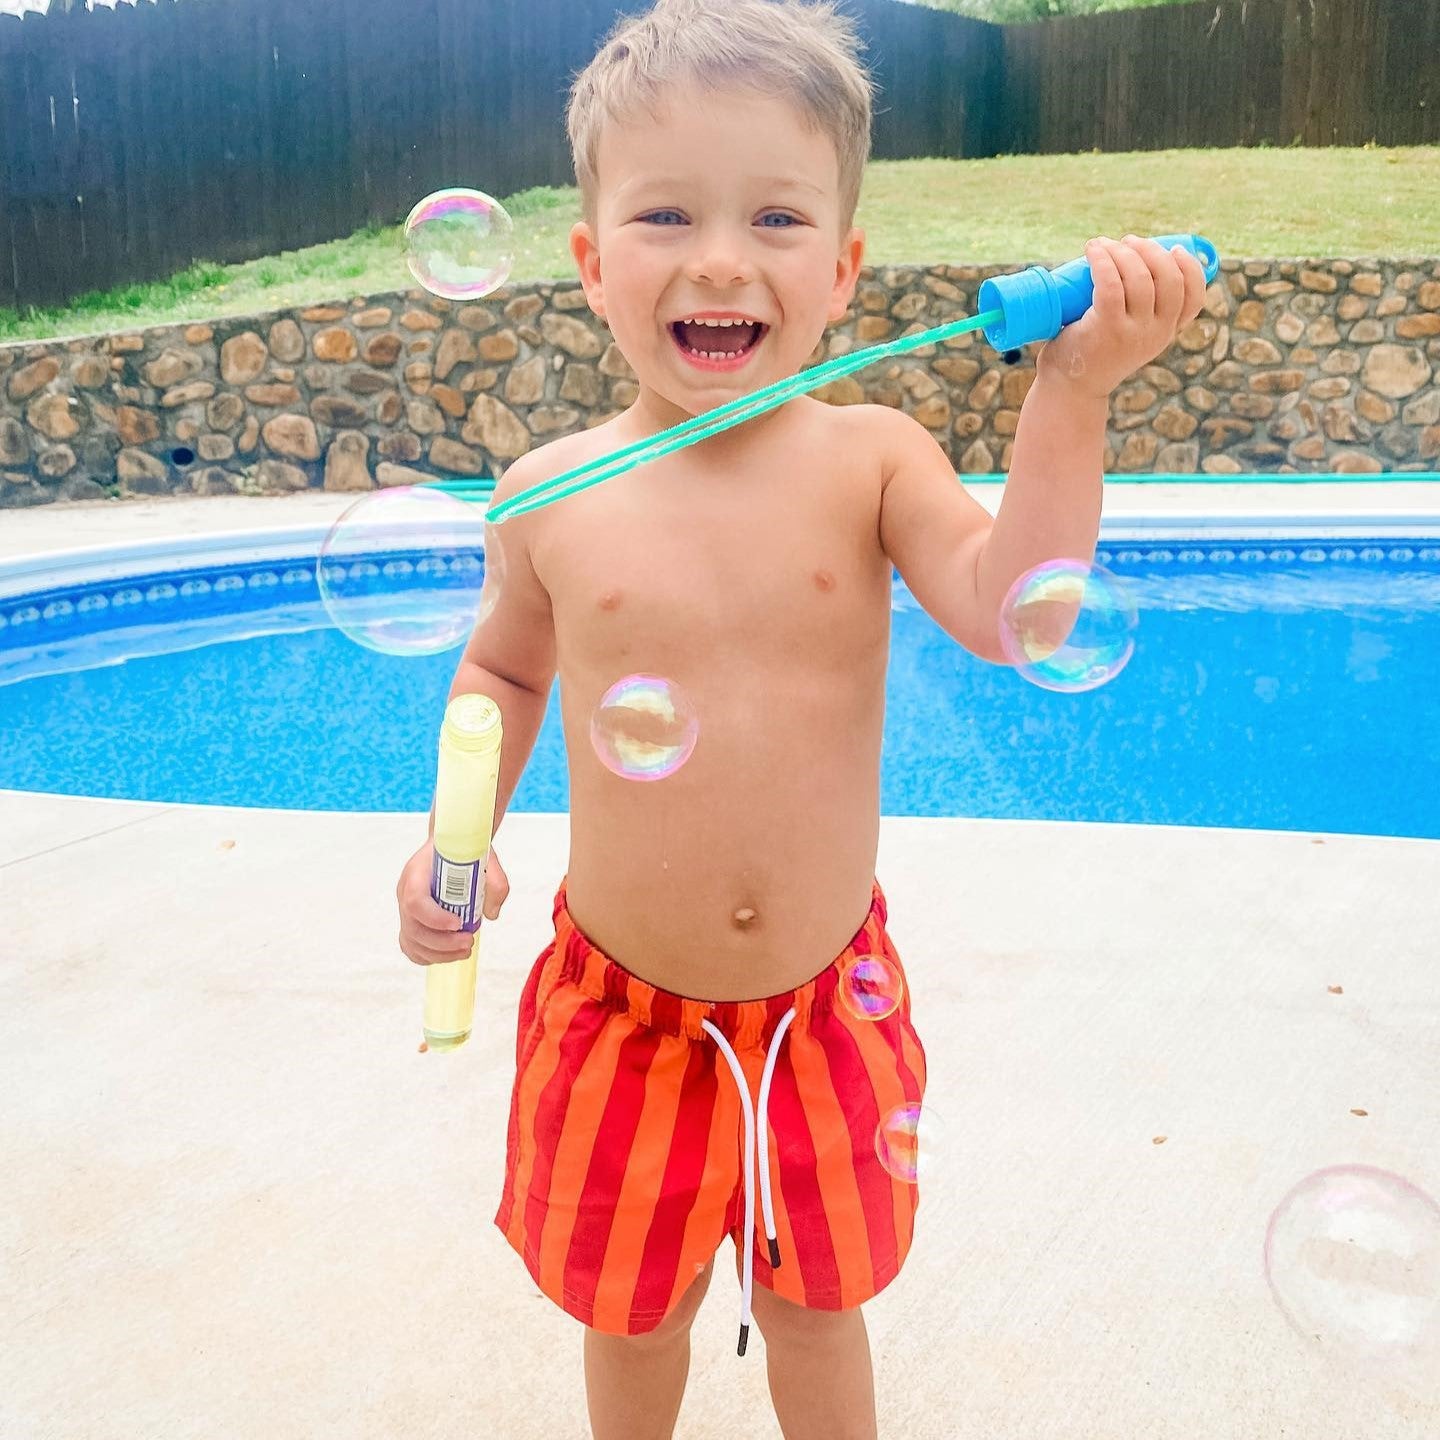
(654, 217)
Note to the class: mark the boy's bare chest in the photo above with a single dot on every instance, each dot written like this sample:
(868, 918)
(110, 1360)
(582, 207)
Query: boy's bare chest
(771, 559)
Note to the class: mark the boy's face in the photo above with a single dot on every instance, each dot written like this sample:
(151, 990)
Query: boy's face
(730, 205)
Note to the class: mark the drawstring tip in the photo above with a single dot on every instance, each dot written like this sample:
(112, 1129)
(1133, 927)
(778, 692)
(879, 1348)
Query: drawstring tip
(774, 1252)
(744, 1339)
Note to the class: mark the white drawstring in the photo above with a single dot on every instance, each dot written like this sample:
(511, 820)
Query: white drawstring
(747, 1267)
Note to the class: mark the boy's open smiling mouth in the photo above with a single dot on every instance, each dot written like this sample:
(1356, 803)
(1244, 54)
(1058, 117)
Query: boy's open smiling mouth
(717, 345)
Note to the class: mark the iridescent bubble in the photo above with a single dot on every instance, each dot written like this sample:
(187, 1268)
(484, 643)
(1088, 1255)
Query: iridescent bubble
(644, 728)
(906, 1141)
(402, 570)
(1352, 1255)
(1068, 626)
(460, 244)
(871, 987)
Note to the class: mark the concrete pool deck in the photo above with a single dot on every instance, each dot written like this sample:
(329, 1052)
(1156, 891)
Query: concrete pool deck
(238, 1202)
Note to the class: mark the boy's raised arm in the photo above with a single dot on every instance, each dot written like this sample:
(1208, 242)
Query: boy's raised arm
(958, 564)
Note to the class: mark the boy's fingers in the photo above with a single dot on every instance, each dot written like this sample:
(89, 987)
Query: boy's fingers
(1109, 288)
(424, 955)
(1169, 280)
(434, 947)
(497, 887)
(1139, 283)
(427, 911)
(1193, 274)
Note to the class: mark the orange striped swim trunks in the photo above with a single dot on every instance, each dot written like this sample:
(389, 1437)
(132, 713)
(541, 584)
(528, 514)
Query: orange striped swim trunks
(641, 1120)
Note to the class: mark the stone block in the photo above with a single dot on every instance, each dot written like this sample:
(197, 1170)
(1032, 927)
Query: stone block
(171, 367)
(293, 436)
(187, 394)
(1355, 462)
(335, 344)
(55, 416)
(141, 473)
(90, 372)
(347, 466)
(568, 334)
(382, 351)
(457, 347)
(287, 341)
(1396, 371)
(338, 412)
(388, 475)
(1256, 350)
(977, 459)
(56, 462)
(1133, 399)
(243, 358)
(274, 477)
(14, 442)
(33, 378)
(457, 459)
(1250, 316)
(211, 480)
(1179, 459)
(1137, 453)
(1417, 327)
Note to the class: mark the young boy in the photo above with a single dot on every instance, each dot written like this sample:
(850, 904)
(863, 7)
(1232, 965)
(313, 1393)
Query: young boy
(719, 146)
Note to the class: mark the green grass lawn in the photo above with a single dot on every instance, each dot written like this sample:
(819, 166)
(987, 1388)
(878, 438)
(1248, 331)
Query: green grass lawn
(1010, 210)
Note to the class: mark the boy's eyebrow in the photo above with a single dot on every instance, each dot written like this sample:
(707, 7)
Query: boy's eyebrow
(776, 182)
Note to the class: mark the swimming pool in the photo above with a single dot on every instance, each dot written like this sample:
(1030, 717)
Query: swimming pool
(1279, 682)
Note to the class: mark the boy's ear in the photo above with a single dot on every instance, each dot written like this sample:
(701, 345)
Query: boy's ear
(586, 254)
(847, 273)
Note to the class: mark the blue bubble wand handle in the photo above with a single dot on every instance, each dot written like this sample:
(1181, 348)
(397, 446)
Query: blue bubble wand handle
(1037, 303)
(1016, 310)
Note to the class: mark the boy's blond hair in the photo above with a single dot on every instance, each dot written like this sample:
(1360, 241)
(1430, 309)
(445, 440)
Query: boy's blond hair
(803, 53)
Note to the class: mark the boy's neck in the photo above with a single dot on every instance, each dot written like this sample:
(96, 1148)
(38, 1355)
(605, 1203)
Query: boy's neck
(652, 413)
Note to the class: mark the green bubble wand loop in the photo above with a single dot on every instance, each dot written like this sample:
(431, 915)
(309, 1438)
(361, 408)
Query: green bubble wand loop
(1034, 305)
(701, 427)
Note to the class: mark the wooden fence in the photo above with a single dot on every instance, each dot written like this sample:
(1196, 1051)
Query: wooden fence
(1227, 72)
(135, 141)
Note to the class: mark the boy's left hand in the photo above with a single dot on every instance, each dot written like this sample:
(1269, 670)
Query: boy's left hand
(1144, 295)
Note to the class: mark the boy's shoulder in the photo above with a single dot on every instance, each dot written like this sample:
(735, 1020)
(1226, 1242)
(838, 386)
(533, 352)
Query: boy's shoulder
(877, 432)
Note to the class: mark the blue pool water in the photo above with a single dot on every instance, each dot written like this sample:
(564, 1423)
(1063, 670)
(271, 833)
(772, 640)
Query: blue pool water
(1276, 685)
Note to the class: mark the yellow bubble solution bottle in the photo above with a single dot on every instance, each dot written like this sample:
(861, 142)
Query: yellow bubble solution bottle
(465, 783)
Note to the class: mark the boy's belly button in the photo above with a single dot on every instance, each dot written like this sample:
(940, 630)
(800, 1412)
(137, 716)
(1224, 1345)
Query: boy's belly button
(744, 918)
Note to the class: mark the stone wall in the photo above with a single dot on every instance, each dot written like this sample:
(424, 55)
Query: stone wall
(1294, 366)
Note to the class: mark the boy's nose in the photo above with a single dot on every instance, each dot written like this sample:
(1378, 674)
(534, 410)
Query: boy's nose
(720, 264)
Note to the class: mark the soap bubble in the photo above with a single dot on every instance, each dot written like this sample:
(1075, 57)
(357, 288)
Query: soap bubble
(1068, 626)
(402, 571)
(906, 1141)
(871, 987)
(460, 244)
(644, 728)
(1353, 1260)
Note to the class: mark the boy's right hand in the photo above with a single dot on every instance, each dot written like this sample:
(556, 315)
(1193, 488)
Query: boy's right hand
(429, 933)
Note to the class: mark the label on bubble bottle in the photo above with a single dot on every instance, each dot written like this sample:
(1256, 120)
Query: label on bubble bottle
(459, 887)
